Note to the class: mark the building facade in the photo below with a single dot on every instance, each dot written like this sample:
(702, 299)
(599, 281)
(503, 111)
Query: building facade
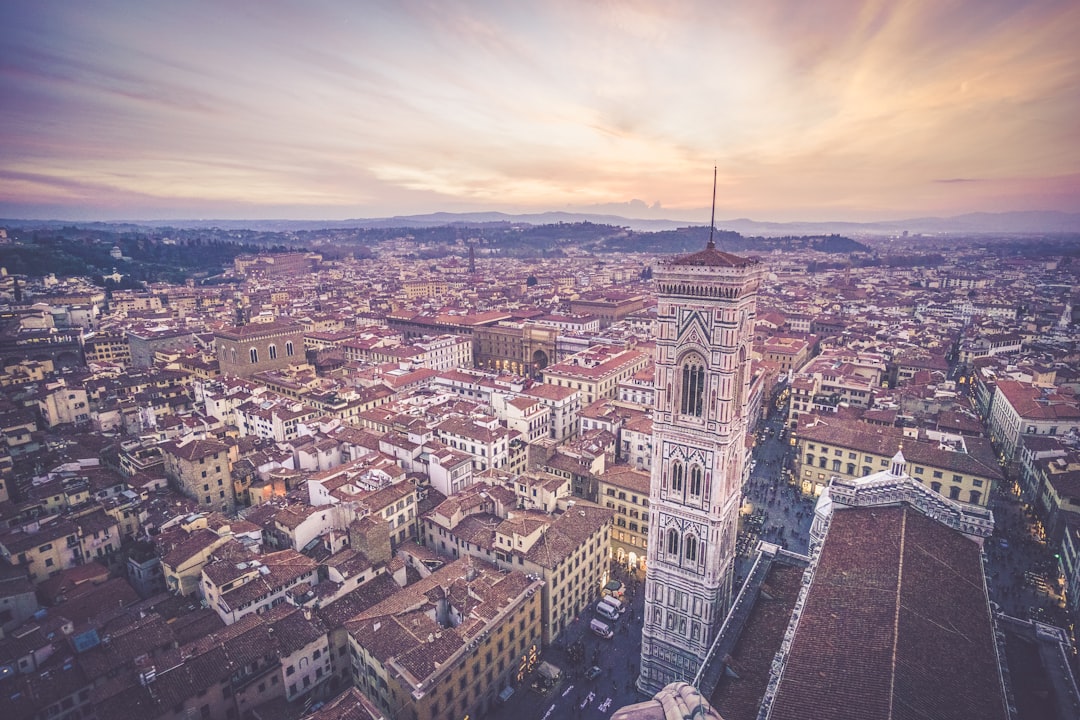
(705, 332)
(253, 348)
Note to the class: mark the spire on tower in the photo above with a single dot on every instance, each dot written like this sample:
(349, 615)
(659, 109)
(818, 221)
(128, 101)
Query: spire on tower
(712, 220)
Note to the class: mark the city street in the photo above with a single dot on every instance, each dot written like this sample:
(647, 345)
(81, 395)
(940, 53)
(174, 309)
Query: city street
(575, 695)
(773, 510)
(1021, 571)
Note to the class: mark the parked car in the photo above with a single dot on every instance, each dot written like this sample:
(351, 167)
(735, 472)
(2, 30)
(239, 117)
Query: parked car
(592, 672)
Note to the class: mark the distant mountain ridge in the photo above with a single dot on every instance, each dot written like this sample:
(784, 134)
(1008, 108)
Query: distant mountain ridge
(1022, 222)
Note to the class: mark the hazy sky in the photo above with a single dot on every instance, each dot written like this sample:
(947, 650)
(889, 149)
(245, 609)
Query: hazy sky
(811, 110)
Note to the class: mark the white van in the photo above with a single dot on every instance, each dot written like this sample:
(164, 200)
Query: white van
(613, 602)
(601, 628)
(602, 608)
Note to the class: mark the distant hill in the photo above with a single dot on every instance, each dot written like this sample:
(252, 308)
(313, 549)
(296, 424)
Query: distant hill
(972, 223)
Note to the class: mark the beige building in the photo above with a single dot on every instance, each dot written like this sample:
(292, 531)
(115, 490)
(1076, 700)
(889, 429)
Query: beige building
(61, 404)
(518, 348)
(107, 348)
(609, 308)
(43, 548)
(597, 372)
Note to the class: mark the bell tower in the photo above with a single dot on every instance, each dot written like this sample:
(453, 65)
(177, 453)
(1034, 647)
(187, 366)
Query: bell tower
(704, 333)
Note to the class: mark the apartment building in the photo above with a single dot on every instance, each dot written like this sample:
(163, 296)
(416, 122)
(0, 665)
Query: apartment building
(625, 490)
(1023, 409)
(597, 372)
(448, 644)
(569, 549)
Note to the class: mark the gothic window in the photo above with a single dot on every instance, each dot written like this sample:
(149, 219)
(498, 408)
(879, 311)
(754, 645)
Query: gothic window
(695, 480)
(691, 549)
(677, 477)
(288, 349)
(272, 352)
(673, 542)
(254, 353)
(693, 386)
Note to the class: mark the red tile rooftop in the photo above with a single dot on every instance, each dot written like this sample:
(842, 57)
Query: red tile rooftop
(740, 698)
(896, 625)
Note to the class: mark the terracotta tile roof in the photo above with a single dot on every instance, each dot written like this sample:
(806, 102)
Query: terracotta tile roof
(896, 625)
(751, 659)
(711, 257)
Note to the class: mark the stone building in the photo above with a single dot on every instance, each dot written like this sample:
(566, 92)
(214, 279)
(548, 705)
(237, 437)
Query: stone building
(253, 348)
(200, 469)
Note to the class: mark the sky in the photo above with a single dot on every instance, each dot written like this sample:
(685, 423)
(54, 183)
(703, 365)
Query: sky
(823, 110)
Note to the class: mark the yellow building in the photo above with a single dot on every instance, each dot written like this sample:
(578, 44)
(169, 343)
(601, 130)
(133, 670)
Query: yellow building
(448, 644)
(960, 468)
(43, 548)
(626, 491)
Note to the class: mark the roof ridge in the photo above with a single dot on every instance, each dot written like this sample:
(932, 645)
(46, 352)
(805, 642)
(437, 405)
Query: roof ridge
(896, 612)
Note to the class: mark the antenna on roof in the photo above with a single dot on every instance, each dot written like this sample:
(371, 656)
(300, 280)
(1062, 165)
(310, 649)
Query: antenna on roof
(712, 220)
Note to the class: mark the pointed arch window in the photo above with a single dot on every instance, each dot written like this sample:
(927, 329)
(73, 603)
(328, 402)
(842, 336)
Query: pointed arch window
(677, 474)
(288, 348)
(695, 480)
(691, 550)
(254, 353)
(272, 352)
(693, 386)
(673, 542)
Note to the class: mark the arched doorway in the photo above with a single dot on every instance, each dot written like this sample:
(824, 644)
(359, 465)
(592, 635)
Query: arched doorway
(539, 360)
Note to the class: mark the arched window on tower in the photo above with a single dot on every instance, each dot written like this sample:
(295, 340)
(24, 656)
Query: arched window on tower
(693, 386)
(673, 542)
(677, 473)
(288, 348)
(272, 352)
(695, 480)
(690, 552)
(254, 353)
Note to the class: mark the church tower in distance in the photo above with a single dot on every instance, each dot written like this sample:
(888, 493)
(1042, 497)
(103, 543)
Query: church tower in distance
(704, 333)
